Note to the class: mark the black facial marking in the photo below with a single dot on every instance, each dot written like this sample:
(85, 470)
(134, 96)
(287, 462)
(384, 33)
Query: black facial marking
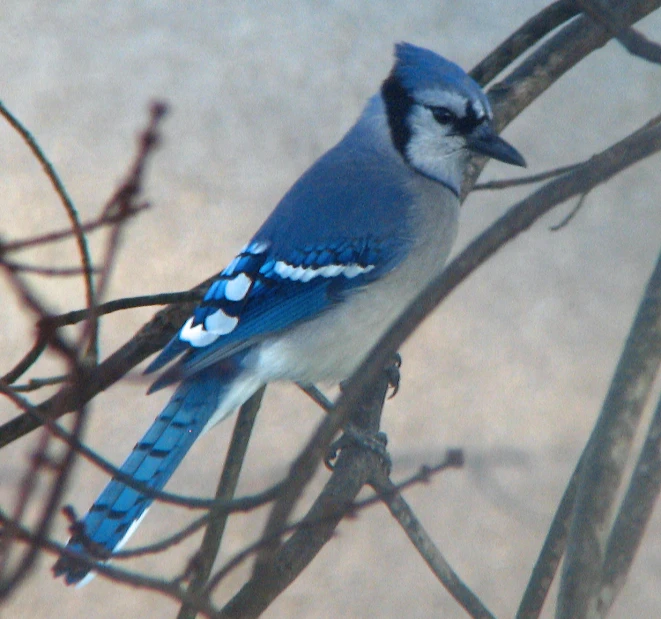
(398, 105)
(443, 115)
(469, 121)
(461, 125)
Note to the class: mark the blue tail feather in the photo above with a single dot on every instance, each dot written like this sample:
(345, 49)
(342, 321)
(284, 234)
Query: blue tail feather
(153, 461)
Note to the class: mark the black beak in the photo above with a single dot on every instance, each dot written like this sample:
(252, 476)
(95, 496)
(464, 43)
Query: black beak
(484, 141)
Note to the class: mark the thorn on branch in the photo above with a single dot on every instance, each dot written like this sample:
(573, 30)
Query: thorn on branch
(571, 213)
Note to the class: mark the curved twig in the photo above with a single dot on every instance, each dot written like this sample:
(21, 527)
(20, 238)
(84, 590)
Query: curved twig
(70, 209)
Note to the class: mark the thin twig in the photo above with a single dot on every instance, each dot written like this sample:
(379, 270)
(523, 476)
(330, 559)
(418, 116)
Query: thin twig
(124, 201)
(317, 396)
(104, 220)
(164, 543)
(569, 216)
(18, 267)
(633, 41)
(69, 207)
(202, 563)
(165, 298)
(38, 383)
(525, 37)
(27, 361)
(525, 180)
(416, 533)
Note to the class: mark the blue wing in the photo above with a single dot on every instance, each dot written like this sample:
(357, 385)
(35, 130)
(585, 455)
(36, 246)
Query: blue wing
(343, 224)
(259, 294)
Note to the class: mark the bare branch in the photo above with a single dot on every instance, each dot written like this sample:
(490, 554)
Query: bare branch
(38, 383)
(69, 207)
(569, 216)
(633, 41)
(124, 202)
(416, 533)
(607, 455)
(555, 57)
(551, 554)
(104, 220)
(201, 565)
(525, 180)
(117, 305)
(172, 590)
(528, 35)
(18, 267)
(27, 361)
(633, 517)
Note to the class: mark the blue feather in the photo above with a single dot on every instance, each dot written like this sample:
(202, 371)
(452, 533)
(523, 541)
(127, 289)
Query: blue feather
(376, 212)
(152, 462)
(273, 302)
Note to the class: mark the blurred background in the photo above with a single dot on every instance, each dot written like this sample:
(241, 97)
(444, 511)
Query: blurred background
(512, 368)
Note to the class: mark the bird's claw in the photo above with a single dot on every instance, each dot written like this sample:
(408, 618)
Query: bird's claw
(393, 374)
(355, 437)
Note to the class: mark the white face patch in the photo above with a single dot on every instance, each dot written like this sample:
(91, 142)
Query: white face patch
(432, 151)
(303, 274)
(238, 287)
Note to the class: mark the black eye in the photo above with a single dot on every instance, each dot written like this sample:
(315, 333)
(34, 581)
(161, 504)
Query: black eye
(443, 115)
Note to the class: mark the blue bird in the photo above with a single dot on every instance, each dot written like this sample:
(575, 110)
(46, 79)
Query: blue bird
(345, 251)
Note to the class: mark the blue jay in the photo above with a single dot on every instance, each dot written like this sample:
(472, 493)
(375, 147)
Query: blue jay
(348, 247)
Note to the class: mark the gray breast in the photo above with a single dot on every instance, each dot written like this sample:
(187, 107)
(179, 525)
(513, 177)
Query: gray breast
(330, 347)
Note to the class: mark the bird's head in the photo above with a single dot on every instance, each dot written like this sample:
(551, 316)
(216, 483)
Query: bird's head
(438, 115)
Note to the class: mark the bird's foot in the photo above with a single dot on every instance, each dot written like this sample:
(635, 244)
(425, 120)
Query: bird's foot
(363, 439)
